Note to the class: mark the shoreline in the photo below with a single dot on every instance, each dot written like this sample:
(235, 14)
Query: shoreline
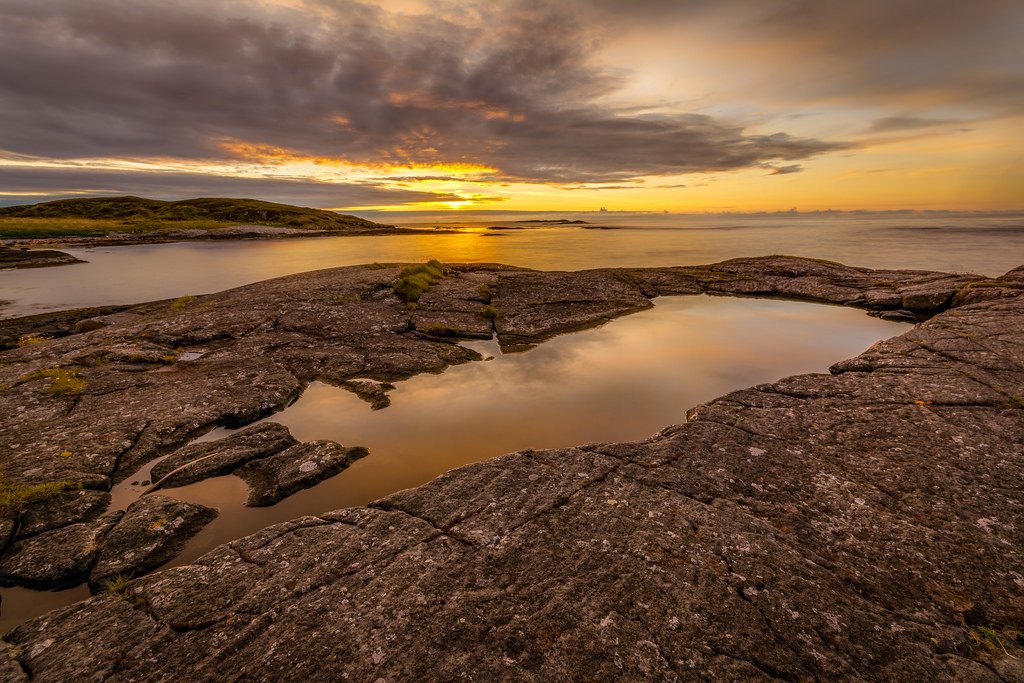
(234, 232)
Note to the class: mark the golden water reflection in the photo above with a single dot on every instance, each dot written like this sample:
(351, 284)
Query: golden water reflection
(623, 381)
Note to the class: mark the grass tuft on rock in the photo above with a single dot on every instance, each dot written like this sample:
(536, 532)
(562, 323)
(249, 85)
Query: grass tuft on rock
(441, 330)
(30, 340)
(179, 304)
(489, 312)
(992, 639)
(413, 281)
(1014, 403)
(15, 497)
(63, 381)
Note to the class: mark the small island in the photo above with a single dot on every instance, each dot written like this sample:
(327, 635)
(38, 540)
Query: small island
(97, 221)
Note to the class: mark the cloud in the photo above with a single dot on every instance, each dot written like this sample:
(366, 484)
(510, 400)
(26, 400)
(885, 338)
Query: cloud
(19, 183)
(878, 52)
(889, 124)
(785, 170)
(509, 85)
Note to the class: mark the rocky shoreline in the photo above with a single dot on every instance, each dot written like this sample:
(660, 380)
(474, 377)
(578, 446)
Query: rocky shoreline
(234, 232)
(844, 526)
(34, 258)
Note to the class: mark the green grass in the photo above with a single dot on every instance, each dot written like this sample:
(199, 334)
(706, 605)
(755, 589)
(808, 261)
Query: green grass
(489, 312)
(46, 228)
(1014, 402)
(14, 497)
(413, 281)
(121, 586)
(98, 216)
(993, 639)
(485, 293)
(30, 339)
(63, 381)
(179, 304)
(441, 330)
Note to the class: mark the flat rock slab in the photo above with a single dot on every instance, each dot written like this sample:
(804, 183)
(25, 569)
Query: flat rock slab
(215, 458)
(152, 531)
(846, 526)
(277, 477)
(63, 509)
(56, 559)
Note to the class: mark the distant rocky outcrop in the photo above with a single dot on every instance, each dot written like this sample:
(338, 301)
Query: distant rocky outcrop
(34, 258)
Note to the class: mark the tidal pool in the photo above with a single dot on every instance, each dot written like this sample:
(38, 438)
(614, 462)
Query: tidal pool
(622, 381)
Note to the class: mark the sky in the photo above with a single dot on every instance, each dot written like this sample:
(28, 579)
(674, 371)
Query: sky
(517, 105)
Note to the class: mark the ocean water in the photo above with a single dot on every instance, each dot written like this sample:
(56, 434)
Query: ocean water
(982, 243)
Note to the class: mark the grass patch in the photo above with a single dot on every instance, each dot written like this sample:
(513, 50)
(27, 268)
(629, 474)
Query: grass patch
(992, 639)
(1014, 402)
(30, 339)
(441, 330)
(489, 312)
(485, 292)
(120, 585)
(63, 381)
(179, 304)
(413, 281)
(14, 497)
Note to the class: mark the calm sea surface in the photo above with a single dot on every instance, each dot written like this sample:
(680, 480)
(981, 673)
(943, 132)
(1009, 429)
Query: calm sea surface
(986, 244)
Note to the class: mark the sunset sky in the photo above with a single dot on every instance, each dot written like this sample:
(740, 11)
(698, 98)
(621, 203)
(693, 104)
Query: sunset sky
(644, 105)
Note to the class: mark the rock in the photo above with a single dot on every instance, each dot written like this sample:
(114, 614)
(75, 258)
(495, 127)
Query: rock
(34, 258)
(374, 393)
(50, 325)
(62, 509)
(253, 349)
(534, 306)
(846, 526)
(215, 458)
(152, 531)
(10, 667)
(277, 477)
(89, 325)
(520, 537)
(898, 316)
(7, 527)
(55, 559)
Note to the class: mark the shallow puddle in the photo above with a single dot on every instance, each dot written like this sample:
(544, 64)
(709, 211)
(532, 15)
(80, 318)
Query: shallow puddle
(622, 381)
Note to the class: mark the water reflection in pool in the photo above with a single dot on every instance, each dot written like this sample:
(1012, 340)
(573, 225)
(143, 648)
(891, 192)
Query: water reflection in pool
(623, 381)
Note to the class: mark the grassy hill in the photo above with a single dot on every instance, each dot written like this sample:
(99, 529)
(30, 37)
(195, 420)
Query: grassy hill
(97, 216)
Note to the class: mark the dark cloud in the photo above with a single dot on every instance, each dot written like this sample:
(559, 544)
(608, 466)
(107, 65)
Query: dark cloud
(57, 183)
(889, 124)
(510, 85)
(878, 52)
(786, 170)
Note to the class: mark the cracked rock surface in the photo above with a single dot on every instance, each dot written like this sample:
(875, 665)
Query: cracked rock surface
(153, 530)
(300, 467)
(213, 458)
(849, 526)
